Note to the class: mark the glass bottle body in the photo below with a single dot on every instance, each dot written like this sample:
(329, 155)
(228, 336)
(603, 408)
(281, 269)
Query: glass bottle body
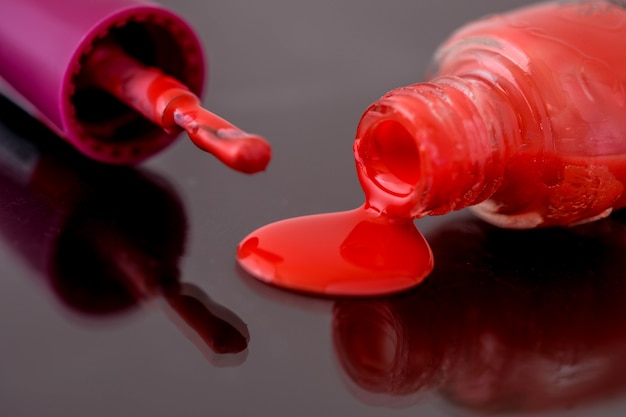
(524, 119)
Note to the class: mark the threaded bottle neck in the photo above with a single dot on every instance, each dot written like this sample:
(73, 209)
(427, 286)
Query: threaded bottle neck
(431, 148)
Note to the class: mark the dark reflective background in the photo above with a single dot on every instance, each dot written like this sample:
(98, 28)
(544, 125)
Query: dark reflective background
(120, 294)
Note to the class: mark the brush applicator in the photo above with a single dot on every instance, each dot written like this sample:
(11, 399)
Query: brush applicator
(118, 79)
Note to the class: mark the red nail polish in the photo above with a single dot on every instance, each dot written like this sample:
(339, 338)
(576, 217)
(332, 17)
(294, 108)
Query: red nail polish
(523, 120)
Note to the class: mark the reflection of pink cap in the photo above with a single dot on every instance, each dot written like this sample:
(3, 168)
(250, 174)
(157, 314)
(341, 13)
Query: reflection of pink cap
(44, 42)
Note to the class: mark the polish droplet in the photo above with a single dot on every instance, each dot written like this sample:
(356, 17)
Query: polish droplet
(352, 253)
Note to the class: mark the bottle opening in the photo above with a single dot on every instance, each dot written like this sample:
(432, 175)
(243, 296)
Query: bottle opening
(393, 159)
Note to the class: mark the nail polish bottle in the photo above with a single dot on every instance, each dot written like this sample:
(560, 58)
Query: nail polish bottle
(522, 118)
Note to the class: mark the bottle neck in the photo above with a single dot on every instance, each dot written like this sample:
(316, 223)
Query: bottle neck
(435, 147)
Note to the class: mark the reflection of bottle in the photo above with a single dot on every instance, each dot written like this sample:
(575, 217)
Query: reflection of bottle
(105, 238)
(503, 323)
(525, 115)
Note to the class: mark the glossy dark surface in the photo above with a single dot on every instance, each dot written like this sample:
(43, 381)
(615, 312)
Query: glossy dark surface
(120, 295)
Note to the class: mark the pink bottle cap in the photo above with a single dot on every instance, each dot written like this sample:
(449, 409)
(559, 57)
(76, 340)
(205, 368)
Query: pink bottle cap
(44, 42)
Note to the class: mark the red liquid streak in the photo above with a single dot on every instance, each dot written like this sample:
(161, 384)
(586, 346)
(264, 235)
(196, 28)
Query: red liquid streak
(168, 103)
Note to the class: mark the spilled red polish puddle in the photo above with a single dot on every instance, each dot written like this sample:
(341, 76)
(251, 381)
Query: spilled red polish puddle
(352, 253)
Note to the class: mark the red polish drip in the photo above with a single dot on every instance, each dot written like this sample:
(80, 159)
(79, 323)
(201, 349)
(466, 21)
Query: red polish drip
(358, 252)
(523, 121)
(171, 105)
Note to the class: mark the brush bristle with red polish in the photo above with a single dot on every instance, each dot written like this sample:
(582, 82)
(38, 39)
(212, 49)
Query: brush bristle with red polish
(237, 149)
(171, 105)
